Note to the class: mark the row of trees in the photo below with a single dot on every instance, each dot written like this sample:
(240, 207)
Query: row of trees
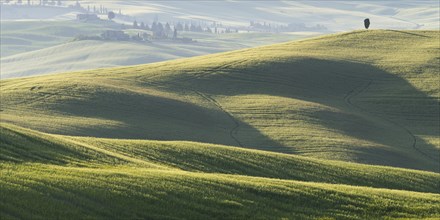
(158, 26)
(263, 26)
(100, 10)
(159, 29)
(41, 2)
(167, 31)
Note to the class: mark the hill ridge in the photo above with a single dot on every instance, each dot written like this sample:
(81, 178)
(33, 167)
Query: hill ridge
(335, 127)
(224, 99)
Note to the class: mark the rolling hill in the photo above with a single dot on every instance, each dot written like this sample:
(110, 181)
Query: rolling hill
(345, 97)
(335, 15)
(24, 36)
(68, 55)
(294, 130)
(69, 177)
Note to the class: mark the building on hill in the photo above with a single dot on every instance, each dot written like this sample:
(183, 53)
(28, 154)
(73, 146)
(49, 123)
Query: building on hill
(114, 35)
(87, 17)
(184, 40)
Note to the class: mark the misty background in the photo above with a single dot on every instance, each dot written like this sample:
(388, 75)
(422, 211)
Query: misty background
(52, 36)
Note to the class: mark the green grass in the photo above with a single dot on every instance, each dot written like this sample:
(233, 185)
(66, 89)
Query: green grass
(46, 191)
(23, 36)
(366, 96)
(51, 48)
(281, 131)
(57, 176)
(26, 146)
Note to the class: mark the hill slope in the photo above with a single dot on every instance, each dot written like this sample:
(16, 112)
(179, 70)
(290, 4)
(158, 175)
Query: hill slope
(366, 96)
(44, 191)
(26, 146)
(91, 54)
(57, 176)
(24, 36)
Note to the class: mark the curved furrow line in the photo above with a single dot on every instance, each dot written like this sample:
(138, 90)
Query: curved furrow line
(233, 130)
(354, 93)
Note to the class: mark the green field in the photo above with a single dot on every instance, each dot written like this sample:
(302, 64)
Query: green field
(342, 126)
(23, 36)
(52, 46)
(57, 176)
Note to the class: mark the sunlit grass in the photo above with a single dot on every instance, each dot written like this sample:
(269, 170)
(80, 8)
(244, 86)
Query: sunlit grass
(206, 136)
(304, 97)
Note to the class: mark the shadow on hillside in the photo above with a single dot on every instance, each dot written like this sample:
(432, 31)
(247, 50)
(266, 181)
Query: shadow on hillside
(22, 147)
(144, 116)
(409, 33)
(379, 113)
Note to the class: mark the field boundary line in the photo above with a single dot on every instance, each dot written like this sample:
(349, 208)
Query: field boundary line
(362, 89)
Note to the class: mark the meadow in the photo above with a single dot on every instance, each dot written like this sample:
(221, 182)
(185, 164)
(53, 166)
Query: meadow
(52, 176)
(24, 36)
(53, 46)
(343, 126)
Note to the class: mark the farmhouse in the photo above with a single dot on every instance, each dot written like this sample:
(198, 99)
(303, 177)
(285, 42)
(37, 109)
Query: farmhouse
(114, 35)
(87, 17)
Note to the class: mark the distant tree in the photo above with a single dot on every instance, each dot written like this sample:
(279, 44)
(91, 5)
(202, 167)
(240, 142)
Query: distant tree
(135, 24)
(94, 9)
(154, 27)
(168, 28)
(160, 27)
(208, 30)
(111, 15)
(199, 28)
(29, 2)
(88, 8)
(142, 25)
(147, 27)
(120, 12)
(59, 2)
(175, 33)
(367, 23)
(186, 27)
(179, 27)
(160, 31)
(192, 28)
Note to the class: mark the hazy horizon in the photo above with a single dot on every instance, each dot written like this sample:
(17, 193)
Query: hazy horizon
(219, 109)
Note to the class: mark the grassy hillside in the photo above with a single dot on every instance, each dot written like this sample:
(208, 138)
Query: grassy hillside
(365, 96)
(386, 15)
(56, 176)
(81, 55)
(51, 47)
(45, 191)
(269, 132)
(25, 146)
(24, 36)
